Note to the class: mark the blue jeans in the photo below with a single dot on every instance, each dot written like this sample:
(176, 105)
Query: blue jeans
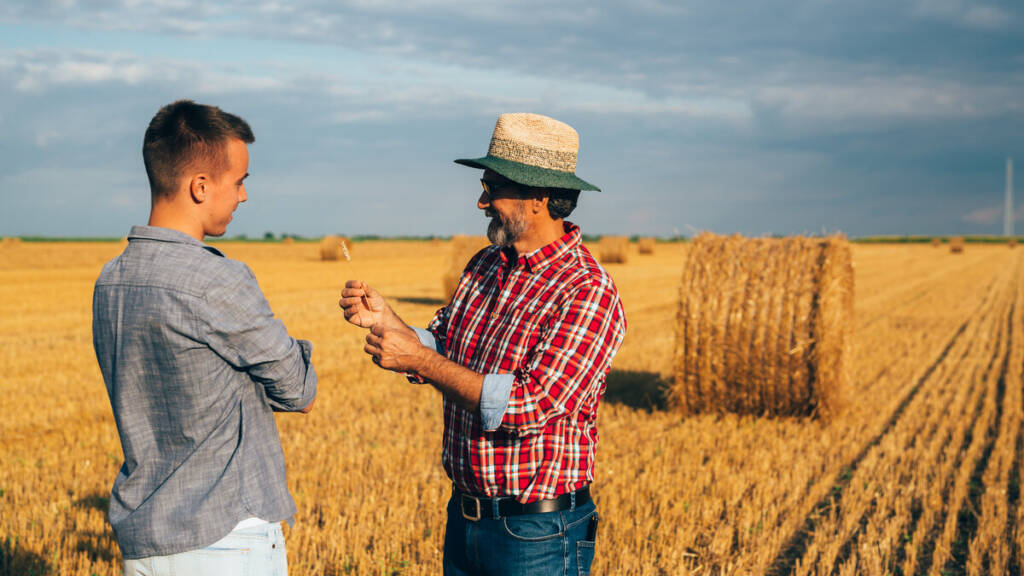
(257, 551)
(528, 545)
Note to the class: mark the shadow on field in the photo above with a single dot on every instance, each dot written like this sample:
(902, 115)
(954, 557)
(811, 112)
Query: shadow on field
(636, 389)
(99, 546)
(93, 502)
(421, 300)
(14, 560)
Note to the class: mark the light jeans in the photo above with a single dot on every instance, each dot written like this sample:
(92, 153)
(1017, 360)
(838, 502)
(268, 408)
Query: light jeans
(257, 551)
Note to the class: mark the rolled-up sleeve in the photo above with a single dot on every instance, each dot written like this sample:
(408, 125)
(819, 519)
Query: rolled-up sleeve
(569, 363)
(242, 329)
(432, 337)
(427, 339)
(493, 395)
(494, 399)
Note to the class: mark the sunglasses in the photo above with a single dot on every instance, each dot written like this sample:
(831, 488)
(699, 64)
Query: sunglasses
(493, 188)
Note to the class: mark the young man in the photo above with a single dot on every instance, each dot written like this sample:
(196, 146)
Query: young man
(195, 364)
(520, 354)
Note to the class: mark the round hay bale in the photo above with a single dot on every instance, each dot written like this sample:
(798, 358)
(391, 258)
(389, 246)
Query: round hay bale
(645, 245)
(463, 248)
(11, 241)
(956, 245)
(613, 249)
(763, 326)
(330, 247)
(936, 242)
(288, 240)
(1012, 243)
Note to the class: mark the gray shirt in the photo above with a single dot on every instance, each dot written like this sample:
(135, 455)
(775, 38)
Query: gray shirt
(195, 364)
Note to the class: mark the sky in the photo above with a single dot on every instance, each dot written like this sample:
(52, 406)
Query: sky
(754, 116)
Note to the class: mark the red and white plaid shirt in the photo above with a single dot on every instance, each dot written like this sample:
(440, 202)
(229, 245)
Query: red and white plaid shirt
(553, 319)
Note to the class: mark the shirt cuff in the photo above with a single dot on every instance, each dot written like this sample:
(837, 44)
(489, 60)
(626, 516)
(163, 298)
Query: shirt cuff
(494, 399)
(427, 339)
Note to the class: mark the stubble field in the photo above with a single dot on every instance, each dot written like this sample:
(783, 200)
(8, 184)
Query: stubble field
(920, 476)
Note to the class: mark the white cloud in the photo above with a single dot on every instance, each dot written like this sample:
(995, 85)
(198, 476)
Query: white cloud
(889, 97)
(987, 17)
(965, 13)
(45, 137)
(42, 70)
(991, 215)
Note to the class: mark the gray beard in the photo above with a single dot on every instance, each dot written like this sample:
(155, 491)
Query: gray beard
(507, 232)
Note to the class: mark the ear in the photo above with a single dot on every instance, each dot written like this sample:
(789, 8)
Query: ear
(539, 203)
(197, 187)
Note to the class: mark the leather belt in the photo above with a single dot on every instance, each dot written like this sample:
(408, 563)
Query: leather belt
(474, 508)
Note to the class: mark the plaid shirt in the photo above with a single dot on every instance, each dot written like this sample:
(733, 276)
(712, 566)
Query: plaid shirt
(548, 323)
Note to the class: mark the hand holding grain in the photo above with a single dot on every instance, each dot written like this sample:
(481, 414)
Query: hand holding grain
(362, 305)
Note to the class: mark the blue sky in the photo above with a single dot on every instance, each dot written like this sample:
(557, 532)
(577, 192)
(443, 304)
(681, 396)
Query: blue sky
(757, 117)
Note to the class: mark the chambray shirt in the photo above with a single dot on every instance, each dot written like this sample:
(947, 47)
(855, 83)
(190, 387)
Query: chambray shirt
(195, 364)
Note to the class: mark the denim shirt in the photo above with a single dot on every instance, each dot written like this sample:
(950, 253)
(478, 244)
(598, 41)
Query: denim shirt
(195, 364)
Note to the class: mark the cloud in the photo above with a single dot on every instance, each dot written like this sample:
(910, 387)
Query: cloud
(702, 51)
(906, 97)
(969, 14)
(987, 17)
(34, 71)
(991, 215)
(37, 70)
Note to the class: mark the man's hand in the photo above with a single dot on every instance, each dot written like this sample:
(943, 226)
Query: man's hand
(395, 348)
(362, 305)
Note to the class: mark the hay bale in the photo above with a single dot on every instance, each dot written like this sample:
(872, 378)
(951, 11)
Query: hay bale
(613, 249)
(330, 247)
(11, 241)
(1012, 243)
(936, 242)
(763, 326)
(956, 245)
(288, 240)
(463, 248)
(645, 245)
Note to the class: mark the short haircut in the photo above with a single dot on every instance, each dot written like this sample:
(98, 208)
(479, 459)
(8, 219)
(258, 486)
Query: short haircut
(188, 136)
(561, 202)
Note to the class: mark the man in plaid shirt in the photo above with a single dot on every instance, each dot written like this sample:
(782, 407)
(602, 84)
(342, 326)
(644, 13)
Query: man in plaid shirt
(520, 355)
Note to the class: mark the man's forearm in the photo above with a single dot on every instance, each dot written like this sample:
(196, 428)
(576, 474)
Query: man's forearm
(456, 382)
(392, 320)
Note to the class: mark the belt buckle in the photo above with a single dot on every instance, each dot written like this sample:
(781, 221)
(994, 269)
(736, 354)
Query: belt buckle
(462, 507)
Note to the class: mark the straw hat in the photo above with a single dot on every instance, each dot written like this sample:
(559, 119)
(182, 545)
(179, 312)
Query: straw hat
(533, 150)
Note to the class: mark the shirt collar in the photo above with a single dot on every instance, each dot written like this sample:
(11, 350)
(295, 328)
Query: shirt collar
(545, 255)
(168, 235)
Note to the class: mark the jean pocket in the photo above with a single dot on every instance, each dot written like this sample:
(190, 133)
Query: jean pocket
(213, 561)
(534, 527)
(584, 556)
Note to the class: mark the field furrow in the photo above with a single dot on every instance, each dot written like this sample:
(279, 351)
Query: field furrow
(987, 551)
(878, 494)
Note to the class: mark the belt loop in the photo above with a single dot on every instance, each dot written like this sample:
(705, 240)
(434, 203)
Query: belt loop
(495, 508)
(572, 501)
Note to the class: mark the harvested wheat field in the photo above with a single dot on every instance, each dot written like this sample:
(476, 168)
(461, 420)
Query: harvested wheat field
(919, 475)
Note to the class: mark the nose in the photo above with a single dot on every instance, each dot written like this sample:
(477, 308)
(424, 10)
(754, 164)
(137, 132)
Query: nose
(242, 196)
(484, 201)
